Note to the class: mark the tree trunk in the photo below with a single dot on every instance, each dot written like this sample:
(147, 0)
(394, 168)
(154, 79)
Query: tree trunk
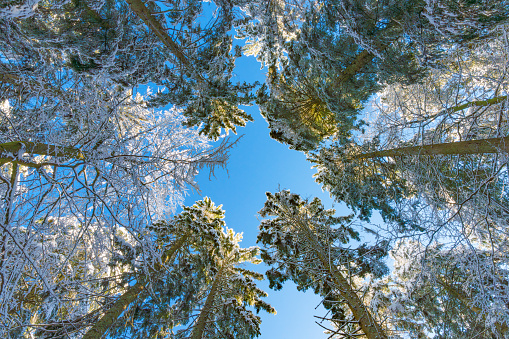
(479, 103)
(363, 59)
(9, 150)
(368, 324)
(138, 7)
(132, 293)
(9, 198)
(209, 302)
(493, 145)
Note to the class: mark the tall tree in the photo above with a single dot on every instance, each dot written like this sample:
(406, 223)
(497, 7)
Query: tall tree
(433, 161)
(230, 290)
(342, 52)
(442, 139)
(306, 244)
(133, 44)
(100, 168)
(165, 284)
(58, 282)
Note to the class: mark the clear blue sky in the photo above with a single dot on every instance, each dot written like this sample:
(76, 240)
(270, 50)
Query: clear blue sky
(259, 164)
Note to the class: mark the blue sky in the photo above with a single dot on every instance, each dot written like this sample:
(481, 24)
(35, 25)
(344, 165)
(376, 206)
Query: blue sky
(259, 164)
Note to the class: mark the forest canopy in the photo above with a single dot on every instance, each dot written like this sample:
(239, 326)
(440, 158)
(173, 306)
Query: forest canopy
(109, 109)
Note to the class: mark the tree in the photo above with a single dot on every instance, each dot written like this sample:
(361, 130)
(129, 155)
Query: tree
(429, 144)
(164, 300)
(442, 292)
(194, 232)
(152, 286)
(194, 63)
(342, 52)
(322, 85)
(229, 291)
(432, 163)
(99, 168)
(58, 282)
(306, 243)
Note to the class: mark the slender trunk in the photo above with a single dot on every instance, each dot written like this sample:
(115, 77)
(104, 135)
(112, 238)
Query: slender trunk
(132, 293)
(368, 324)
(109, 318)
(138, 7)
(10, 195)
(14, 147)
(493, 145)
(361, 60)
(206, 310)
(479, 103)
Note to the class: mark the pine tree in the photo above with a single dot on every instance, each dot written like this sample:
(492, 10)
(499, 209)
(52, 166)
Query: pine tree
(437, 143)
(305, 243)
(230, 290)
(171, 278)
(195, 268)
(343, 52)
(129, 45)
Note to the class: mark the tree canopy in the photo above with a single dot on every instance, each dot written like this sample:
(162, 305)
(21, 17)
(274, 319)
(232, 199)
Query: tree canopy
(110, 108)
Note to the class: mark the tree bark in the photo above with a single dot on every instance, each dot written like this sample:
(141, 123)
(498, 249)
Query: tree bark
(479, 103)
(138, 7)
(368, 324)
(363, 59)
(493, 145)
(132, 293)
(209, 302)
(38, 148)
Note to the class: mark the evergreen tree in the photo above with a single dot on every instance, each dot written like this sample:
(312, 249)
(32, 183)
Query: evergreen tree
(229, 291)
(167, 280)
(306, 244)
(343, 52)
(439, 143)
(129, 44)
(196, 268)
(100, 167)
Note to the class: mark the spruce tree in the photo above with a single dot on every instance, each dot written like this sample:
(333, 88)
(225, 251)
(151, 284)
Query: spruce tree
(307, 244)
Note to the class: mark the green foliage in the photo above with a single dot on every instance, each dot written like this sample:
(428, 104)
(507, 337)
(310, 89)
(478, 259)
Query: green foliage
(365, 185)
(178, 285)
(297, 232)
(343, 52)
(326, 78)
(173, 282)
